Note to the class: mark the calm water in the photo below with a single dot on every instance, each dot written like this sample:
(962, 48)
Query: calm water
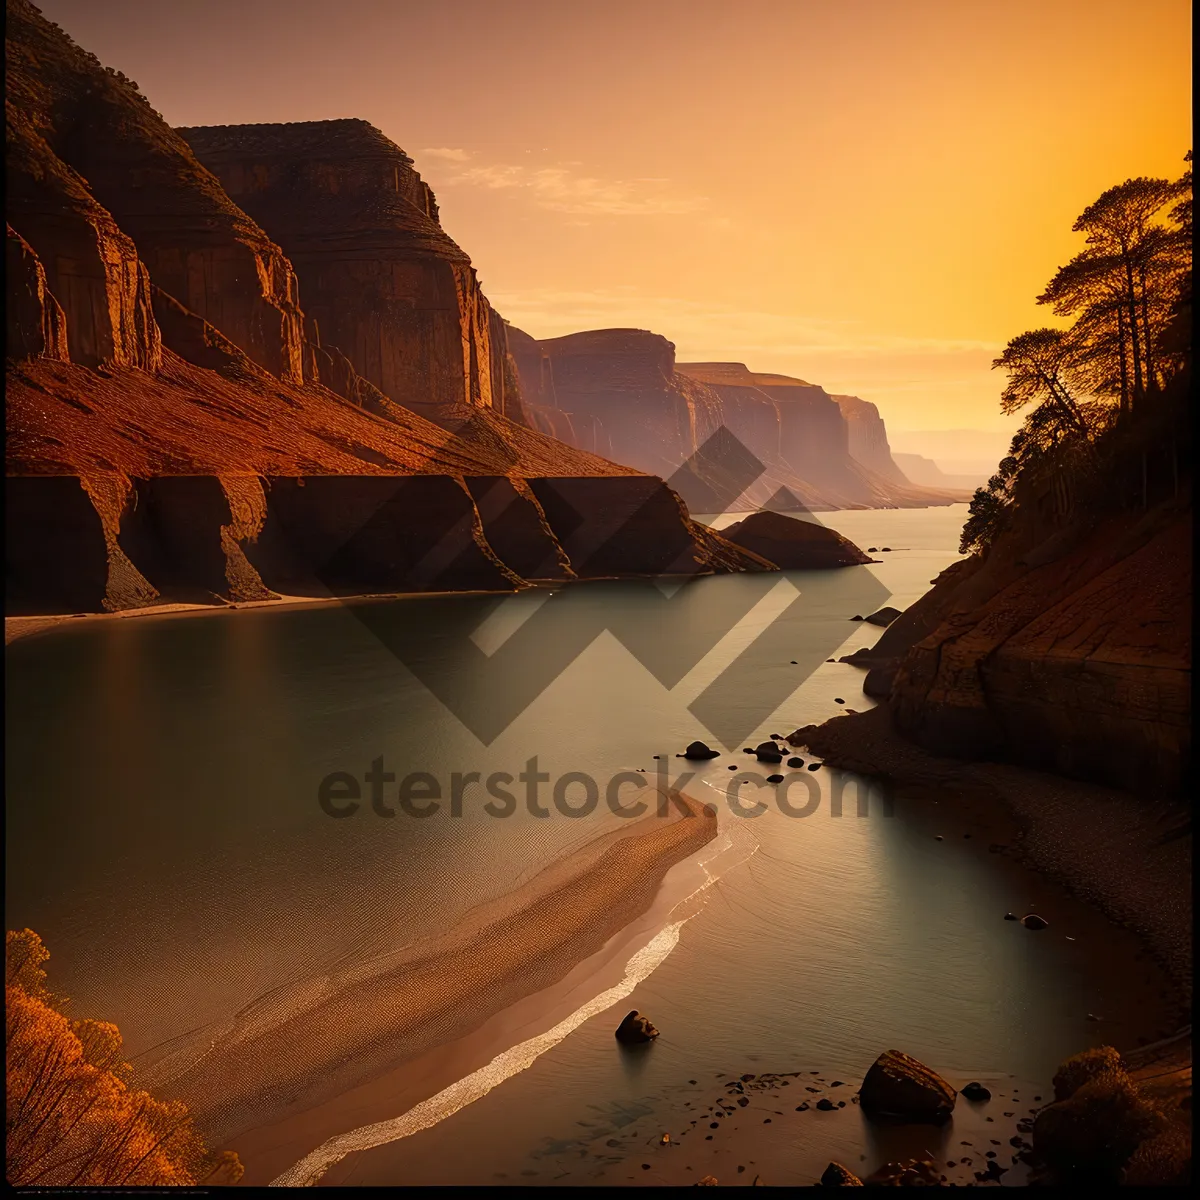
(165, 836)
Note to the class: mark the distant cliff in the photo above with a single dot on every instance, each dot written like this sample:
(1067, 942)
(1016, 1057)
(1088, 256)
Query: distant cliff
(620, 393)
(179, 427)
(927, 473)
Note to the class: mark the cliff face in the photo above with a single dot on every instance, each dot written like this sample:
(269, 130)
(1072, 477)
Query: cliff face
(196, 244)
(382, 281)
(173, 430)
(620, 392)
(1073, 656)
(868, 438)
(1067, 647)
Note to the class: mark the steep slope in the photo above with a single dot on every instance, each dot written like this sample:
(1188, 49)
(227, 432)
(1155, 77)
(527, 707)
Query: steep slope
(620, 392)
(382, 280)
(159, 448)
(1066, 646)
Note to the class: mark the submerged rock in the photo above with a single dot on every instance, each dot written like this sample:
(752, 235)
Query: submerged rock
(899, 1085)
(1033, 921)
(636, 1029)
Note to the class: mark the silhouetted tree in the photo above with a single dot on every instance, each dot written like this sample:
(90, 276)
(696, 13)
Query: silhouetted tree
(1129, 293)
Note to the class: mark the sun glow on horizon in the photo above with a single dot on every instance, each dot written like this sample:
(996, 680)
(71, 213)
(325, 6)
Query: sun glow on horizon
(865, 194)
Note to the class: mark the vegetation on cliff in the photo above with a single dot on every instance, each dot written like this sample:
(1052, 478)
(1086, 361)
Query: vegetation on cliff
(1109, 388)
(74, 1117)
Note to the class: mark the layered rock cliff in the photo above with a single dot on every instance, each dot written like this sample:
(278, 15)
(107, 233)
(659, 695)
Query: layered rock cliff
(868, 439)
(178, 429)
(382, 280)
(1067, 645)
(620, 392)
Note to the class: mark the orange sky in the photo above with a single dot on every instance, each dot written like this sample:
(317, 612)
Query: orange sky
(864, 193)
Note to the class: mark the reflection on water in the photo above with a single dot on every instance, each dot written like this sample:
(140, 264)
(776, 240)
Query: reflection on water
(165, 838)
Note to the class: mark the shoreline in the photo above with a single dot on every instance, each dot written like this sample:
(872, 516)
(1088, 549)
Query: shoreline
(291, 1060)
(1129, 859)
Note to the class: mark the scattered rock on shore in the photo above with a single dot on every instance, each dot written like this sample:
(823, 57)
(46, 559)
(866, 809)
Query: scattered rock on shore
(976, 1091)
(835, 1175)
(899, 1085)
(912, 1172)
(636, 1029)
(700, 750)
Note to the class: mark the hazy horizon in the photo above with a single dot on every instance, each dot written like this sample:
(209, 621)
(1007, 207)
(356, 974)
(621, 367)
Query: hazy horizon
(864, 195)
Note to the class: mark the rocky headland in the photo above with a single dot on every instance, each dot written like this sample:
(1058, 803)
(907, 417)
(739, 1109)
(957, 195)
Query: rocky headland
(247, 361)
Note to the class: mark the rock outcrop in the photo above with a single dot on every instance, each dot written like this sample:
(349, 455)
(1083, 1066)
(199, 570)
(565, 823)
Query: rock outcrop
(636, 1029)
(1072, 655)
(382, 281)
(868, 439)
(84, 122)
(178, 429)
(620, 393)
(794, 544)
(898, 1085)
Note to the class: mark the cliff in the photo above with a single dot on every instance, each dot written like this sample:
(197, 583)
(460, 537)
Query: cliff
(382, 280)
(868, 440)
(926, 473)
(1066, 646)
(173, 426)
(620, 392)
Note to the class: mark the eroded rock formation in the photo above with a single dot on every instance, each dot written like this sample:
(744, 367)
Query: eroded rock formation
(620, 392)
(382, 280)
(178, 428)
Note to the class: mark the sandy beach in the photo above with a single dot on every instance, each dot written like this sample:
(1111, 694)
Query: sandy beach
(19, 627)
(299, 1049)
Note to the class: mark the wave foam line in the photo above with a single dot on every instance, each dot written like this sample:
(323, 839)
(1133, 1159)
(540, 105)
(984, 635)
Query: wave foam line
(309, 1170)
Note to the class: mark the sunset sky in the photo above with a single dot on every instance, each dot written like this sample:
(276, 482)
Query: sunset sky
(864, 193)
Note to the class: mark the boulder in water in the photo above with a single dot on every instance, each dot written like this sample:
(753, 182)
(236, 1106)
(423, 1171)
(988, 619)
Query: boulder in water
(976, 1091)
(700, 750)
(636, 1029)
(1033, 921)
(899, 1085)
